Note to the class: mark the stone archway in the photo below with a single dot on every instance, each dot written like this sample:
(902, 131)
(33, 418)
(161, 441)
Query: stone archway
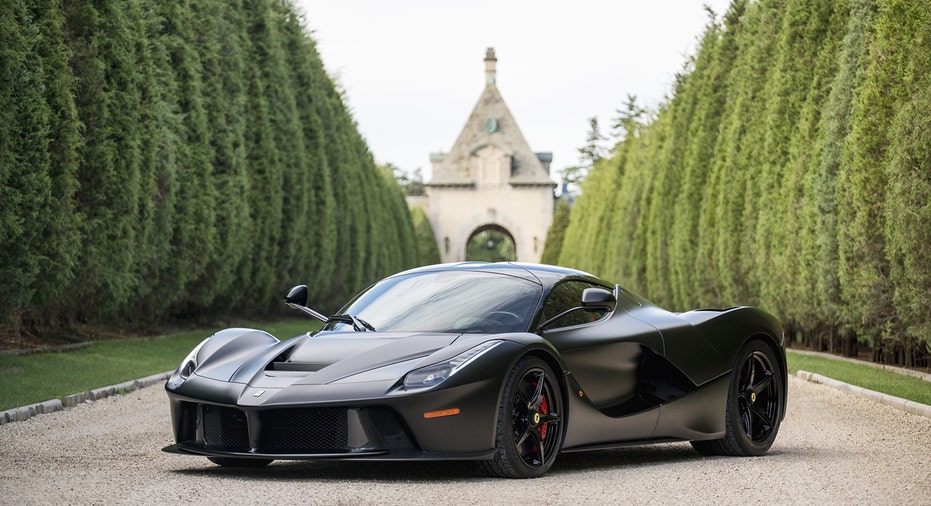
(491, 243)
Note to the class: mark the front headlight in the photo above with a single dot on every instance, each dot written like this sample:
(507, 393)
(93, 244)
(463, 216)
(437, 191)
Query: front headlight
(435, 374)
(190, 362)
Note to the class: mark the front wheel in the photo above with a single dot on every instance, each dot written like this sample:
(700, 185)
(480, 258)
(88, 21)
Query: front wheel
(754, 405)
(530, 422)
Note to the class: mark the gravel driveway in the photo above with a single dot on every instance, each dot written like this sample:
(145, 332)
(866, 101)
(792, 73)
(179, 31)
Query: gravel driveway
(833, 448)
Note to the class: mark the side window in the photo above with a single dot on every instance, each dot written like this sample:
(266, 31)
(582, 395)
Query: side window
(565, 296)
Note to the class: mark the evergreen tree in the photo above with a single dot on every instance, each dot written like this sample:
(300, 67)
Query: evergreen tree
(428, 251)
(866, 288)
(266, 172)
(193, 215)
(908, 174)
(630, 241)
(222, 45)
(705, 282)
(795, 242)
(804, 25)
(616, 239)
(706, 84)
(589, 154)
(835, 126)
(38, 159)
(738, 157)
(107, 94)
(556, 232)
(664, 192)
(25, 165)
(590, 219)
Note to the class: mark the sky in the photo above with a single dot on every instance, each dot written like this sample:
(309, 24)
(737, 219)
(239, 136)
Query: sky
(412, 70)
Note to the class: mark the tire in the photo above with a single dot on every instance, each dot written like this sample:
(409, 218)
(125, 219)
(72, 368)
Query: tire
(529, 431)
(754, 405)
(241, 463)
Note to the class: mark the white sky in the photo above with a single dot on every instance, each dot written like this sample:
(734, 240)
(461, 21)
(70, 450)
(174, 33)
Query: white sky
(413, 70)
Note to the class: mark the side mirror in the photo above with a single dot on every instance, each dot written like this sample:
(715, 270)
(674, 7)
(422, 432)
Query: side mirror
(297, 295)
(297, 299)
(598, 298)
(593, 299)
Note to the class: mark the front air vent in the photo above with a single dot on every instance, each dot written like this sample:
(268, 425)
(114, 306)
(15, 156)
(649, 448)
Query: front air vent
(310, 430)
(225, 428)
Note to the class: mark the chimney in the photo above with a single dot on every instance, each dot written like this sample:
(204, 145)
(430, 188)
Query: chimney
(490, 66)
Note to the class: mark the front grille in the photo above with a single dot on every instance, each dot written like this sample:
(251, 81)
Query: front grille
(225, 428)
(302, 430)
(308, 430)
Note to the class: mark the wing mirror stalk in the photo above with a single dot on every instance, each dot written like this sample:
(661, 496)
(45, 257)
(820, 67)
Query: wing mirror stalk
(297, 299)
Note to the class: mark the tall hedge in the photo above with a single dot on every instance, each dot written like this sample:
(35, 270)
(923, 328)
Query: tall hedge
(180, 158)
(787, 169)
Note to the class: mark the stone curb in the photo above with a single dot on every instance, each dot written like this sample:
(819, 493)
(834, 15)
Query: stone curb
(50, 406)
(913, 407)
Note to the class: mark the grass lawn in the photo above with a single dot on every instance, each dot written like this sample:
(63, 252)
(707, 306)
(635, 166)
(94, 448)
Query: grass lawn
(28, 379)
(865, 376)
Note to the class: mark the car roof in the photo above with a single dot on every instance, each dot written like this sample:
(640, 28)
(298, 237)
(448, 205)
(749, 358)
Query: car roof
(546, 275)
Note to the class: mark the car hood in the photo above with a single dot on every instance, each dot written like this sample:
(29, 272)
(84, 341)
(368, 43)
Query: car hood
(336, 355)
(322, 358)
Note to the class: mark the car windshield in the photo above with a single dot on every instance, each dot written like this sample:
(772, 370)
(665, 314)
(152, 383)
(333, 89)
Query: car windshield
(446, 301)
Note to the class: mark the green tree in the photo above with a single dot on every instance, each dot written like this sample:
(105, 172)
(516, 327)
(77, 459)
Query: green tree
(723, 79)
(428, 252)
(107, 93)
(38, 159)
(706, 83)
(795, 242)
(738, 156)
(866, 287)
(835, 125)
(589, 154)
(905, 39)
(804, 25)
(557, 231)
(222, 44)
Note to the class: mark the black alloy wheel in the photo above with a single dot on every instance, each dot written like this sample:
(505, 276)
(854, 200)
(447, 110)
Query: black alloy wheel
(757, 397)
(754, 405)
(530, 429)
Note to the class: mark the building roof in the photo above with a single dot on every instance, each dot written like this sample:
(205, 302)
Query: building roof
(490, 124)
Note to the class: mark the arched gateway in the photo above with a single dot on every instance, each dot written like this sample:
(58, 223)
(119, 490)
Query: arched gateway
(490, 179)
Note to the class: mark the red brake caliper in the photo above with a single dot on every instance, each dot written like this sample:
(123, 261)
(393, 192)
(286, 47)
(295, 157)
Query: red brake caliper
(544, 409)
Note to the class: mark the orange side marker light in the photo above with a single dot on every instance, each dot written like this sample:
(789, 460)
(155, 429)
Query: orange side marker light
(441, 413)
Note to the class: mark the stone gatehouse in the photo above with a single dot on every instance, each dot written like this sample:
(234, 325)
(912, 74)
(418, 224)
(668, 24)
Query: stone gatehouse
(490, 179)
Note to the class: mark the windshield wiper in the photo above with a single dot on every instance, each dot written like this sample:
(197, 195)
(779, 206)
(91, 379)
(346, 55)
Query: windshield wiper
(358, 324)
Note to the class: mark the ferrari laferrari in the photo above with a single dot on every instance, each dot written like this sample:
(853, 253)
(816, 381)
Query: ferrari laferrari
(508, 364)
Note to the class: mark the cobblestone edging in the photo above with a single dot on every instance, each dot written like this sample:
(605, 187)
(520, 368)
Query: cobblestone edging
(25, 412)
(913, 407)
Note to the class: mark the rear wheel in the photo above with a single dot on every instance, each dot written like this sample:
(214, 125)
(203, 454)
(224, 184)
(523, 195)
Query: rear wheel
(235, 462)
(754, 405)
(529, 431)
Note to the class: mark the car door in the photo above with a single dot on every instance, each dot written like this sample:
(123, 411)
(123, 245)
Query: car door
(603, 350)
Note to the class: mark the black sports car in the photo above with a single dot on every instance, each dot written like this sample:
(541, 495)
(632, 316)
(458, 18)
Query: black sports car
(507, 363)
